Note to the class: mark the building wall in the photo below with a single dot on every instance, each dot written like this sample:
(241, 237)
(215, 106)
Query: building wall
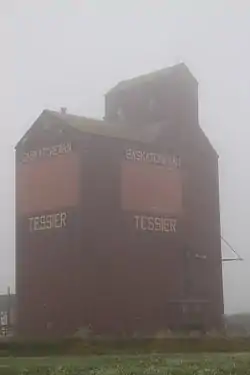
(133, 272)
(163, 98)
(47, 207)
(173, 100)
(119, 264)
(205, 226)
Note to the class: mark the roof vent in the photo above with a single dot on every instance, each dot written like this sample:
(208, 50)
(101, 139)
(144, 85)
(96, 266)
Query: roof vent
(63, 110)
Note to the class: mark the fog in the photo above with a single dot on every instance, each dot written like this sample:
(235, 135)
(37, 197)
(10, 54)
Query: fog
(68, 53)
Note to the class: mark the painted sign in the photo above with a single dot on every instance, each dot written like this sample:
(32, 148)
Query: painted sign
(169, 161)
(49, 185)
(151, 188)
(155, 224)
(61, 149)
(46, 222)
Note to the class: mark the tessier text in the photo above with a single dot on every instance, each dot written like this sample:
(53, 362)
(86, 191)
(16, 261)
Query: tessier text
(155, 224)
(46, 222)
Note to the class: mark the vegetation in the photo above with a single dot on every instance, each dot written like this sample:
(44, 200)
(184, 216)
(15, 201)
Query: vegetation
(122, 365)
(88, 347)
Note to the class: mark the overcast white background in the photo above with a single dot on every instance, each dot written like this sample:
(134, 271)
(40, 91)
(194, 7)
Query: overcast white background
(70, 52)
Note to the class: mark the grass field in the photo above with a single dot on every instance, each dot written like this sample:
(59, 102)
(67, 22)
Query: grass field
(132, 365)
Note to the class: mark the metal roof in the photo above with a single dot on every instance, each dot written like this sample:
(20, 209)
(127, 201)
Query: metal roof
(159, 74)
(146, 133)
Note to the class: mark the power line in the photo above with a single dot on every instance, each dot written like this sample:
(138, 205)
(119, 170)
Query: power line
(233, 250)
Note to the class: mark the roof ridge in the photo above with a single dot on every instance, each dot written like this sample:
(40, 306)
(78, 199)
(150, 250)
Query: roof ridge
(62, 115)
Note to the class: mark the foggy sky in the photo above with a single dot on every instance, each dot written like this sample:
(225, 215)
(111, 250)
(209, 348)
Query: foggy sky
(58, 53)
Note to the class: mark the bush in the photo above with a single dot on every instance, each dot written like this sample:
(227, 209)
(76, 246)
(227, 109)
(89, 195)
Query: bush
(126, 346)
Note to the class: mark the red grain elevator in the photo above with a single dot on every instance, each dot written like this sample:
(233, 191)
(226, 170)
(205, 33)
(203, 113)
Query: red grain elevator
(118, 221)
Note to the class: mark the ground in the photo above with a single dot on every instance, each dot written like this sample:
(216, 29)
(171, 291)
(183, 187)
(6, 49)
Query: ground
(132, 365)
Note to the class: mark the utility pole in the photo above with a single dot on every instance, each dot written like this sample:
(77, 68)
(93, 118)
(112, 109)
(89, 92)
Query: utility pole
(8, 310)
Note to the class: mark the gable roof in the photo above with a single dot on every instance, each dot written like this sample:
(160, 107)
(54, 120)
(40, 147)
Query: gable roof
(158, 74)
(146, 134)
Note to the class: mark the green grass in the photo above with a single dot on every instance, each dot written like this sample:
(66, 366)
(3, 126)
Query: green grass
(130, 365)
